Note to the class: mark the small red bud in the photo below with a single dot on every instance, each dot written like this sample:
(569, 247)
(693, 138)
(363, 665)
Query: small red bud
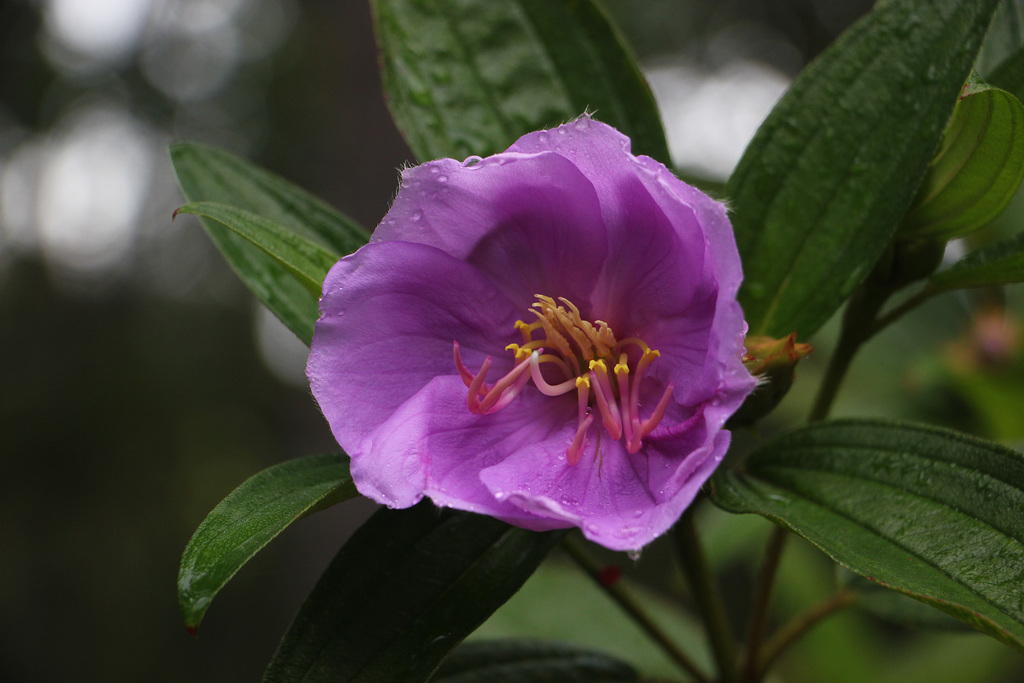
(609, 575)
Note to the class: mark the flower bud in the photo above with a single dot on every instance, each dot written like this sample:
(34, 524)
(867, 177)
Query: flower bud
(772, 362)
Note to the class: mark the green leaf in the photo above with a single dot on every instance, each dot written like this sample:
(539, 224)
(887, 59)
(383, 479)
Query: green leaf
(1005, 36)
(405, 590)
(307, 261)
(928, 512)
(898, 608)
(528, 661)
(469, 77)
(999, 263)
(211, 175)
(977, 170)
(253, 514)
(829, 174)
(1010, 74)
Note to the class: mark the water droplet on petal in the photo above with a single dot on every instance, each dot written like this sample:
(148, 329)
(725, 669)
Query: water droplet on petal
(543, 137)
(633, 555)
(471, 161)
(638, 513)
(442, 179)
(417, 215)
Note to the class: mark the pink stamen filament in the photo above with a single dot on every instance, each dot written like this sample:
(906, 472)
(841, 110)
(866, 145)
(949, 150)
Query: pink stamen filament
(659, 412)
(630, 419)
(605, 399)
(641, 369)
(572, 337)
(478, 388)
(572, 454)
(467, 376)
(543, 385)
(506, 389)
(497, 396)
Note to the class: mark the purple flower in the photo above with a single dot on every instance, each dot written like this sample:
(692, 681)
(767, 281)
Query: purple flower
(549, 336)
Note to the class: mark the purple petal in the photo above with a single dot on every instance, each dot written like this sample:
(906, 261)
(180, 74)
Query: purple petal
(389, 315)
(656, 284)
(531, 222)
(432, 445)
(617, 499)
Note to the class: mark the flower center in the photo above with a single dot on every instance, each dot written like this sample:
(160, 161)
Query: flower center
(561, 352)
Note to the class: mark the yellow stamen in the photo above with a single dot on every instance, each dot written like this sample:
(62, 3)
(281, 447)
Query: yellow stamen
(586, 355)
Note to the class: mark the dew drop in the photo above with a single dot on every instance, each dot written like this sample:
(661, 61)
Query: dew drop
(471, 161)
(633, 555)
(500, 495)
(543, 137)
(638, 513)
(417, 215)
(442, 179)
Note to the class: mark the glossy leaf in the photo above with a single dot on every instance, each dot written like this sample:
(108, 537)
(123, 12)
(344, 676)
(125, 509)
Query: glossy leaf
(249, 518)
(999, 263)
(209, 174)
(307, 261)
(405, 590)
(977, 170)
(929, 512)
(899, 608)
(527, 661)
(830, 173)
(468, 77)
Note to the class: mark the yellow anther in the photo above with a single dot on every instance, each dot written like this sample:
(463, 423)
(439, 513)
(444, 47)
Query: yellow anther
(554, 337)
(638, 342)
(526, 329)
(521, 352)
(581, 352)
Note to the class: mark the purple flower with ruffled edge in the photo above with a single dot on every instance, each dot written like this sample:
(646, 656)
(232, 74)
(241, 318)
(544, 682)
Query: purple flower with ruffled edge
(549, 336)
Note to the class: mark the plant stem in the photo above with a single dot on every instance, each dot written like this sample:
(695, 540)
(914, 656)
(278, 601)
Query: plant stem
(800, 625)
(615, 590)
(901, 310)
(706, 596)
(858, 326)
(762, 600)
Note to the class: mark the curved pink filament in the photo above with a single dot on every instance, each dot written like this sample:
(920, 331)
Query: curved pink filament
(542, 384)
(572, 454)
(505, 389)
(659, 412)
(473, 397)
(606, 400)
(464, 373)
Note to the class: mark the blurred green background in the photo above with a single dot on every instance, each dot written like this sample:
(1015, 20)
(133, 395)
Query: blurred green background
(139, 382)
